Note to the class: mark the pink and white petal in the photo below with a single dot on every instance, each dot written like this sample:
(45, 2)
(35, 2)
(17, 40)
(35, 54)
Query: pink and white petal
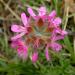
(52, 14)
(34, 57)
(15, 28)
(57, 21)
(31, 12)
(18, 36)
(42, 11)
(24, 19)
(47, 54)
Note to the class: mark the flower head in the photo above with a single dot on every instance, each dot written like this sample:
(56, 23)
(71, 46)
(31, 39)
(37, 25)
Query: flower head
(38, 32)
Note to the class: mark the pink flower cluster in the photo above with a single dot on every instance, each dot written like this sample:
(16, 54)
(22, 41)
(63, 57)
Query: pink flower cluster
(37, 32)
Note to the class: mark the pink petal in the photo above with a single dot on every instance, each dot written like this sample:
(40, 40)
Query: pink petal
(31, 12)
(15, 28)
(53, 37)
(24, 19)
(64, 32)
(57, 21)
(18, 36)
(14, 44)
(47, 54)
(36, 43)
(55, 46)
(34, 57)
(52, 14)
(59, 37)
(56, 37)
(22, 51)
(42, 11)
(57, 30)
